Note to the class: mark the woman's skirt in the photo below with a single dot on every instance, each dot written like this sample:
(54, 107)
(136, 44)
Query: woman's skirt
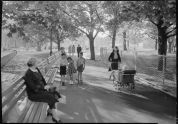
(62, 70)
(114, 66)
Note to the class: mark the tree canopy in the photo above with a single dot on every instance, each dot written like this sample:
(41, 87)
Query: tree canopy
(58, 20)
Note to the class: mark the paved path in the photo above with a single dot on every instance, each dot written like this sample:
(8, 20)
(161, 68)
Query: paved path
(96, 101)
(101, 74)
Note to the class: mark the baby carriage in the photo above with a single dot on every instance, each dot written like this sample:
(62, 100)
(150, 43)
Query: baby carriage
(124, 78)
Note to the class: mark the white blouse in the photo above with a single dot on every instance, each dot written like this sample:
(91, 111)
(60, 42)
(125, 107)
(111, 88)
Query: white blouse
(63, 62)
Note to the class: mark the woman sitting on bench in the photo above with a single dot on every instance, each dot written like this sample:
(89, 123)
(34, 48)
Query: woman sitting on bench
(39, 91)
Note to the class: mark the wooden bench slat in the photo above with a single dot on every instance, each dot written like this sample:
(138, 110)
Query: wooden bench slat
(11, 87)
(44, 110)
(22, 116)
(28, 113)
(54, 75)
(51, 59)
(49, 72)
(33, 113)
(43, 113)
(10, 95)
(12, 103)
(38, 114)
(43, 63)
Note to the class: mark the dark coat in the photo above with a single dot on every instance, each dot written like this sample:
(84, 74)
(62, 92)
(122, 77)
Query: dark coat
(33, 84)
(79, 49)
(111, 58)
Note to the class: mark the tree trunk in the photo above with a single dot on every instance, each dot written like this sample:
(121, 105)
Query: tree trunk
(174, 47)
(58, 43)
(92, 48)
(162, 49)
(15, 44)
(38, 46)
(127, 44)
(51, 43)
(156, 44)
(124, 41)
(170, 47)
(58, 40)
(114, 37)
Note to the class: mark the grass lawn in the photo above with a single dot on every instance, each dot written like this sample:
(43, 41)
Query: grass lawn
(146, 62)
(18, 64)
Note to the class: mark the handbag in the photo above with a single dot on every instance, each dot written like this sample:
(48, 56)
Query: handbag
(55, 93)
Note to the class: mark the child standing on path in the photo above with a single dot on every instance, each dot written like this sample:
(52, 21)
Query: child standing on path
(80, 67)
(71, 69)
(63, 67)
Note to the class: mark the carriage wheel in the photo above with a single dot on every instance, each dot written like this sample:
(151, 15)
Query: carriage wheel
(132, 86)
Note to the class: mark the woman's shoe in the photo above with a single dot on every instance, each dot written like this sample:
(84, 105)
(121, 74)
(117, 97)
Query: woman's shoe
(59, 121)
(49, 113)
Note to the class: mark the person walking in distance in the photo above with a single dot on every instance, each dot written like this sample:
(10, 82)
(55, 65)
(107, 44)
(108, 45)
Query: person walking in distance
(115, 59)
(79, 49)
(69, 50)
(73, 50)
(80, 67)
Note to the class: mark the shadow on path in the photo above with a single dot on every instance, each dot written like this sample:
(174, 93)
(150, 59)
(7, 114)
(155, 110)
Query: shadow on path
(89, 103)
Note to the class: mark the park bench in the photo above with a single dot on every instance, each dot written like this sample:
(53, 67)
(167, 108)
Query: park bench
(33, 112)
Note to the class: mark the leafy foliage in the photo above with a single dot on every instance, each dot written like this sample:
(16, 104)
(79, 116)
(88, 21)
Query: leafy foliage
(43, 16)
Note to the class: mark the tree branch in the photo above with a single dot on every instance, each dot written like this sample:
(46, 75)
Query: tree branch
(28, 10)
(152, 21)
(171, 31)
(171, 35)
(98, 15)
(80, 29)
(43, 35)
(97, 32)
(170, 24)
(108, 35)
(74, 19)
(99, 25)
(152, 37)
(69, 14)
